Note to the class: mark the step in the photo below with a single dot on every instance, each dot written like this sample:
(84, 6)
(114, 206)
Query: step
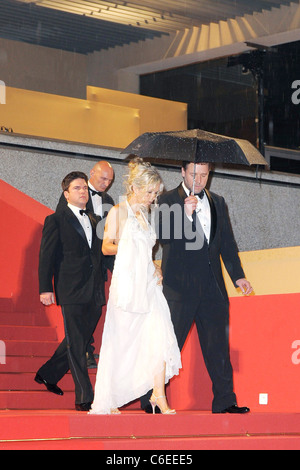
(188, 423)
(25, 382)
(170, 448)
(173, 445)
(6, 304)
(21, 364)
(136, 430)
(23, 319)
(36, 400)
(30, 348)
(28, 333)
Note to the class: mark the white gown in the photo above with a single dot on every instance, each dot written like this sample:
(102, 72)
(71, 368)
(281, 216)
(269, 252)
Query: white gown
(138, 334)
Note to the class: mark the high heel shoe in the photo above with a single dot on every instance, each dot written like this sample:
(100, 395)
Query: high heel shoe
(153, 402)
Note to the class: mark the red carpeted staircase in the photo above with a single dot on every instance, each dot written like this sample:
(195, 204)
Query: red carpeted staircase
(29, 341)
(32, 418)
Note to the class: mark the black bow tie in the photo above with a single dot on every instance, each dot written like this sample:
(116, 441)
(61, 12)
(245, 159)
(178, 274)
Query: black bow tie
(83, 211)
(200, 195)
(94, 193)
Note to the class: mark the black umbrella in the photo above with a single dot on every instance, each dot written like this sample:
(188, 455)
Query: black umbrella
(195, 146)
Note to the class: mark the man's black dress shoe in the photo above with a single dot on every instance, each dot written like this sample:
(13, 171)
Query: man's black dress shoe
(83, 406)
(91, 361)
(148, 409)
(234, 409)
(53, 388)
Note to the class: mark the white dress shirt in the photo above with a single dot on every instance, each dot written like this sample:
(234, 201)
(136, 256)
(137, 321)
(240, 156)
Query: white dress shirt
(203, 213)
(96, 201)
(85, 223)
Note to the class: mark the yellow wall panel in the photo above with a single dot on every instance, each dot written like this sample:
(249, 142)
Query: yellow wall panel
(59, 117)
(107, 118)
(157, 115)
(274, 271)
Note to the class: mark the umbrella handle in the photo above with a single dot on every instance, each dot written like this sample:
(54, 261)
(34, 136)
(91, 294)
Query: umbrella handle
(194, 179)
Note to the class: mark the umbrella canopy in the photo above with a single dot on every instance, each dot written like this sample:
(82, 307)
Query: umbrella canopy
(195, 146)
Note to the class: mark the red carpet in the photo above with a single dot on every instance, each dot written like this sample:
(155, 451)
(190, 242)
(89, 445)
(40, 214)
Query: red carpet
(20, 430)
(32, 418)
(264, 349)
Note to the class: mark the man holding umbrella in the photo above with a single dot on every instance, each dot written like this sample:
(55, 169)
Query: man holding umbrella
(194, 229)
(193, 280)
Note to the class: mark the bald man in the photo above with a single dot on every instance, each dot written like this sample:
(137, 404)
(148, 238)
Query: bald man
(100, 202)
(101, 177)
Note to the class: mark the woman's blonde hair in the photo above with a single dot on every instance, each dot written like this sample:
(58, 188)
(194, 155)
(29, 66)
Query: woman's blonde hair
(142, 175)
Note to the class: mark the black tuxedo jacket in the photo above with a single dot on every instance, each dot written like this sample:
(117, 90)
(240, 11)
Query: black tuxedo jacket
(66, 258)
(184, 269)
(107, 203)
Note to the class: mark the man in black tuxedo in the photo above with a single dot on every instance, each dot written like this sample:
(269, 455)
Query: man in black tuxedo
(99, 203)
(195, 235)
(70, 254)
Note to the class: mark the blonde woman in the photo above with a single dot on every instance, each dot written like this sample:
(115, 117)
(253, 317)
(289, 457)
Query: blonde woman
(139, 349)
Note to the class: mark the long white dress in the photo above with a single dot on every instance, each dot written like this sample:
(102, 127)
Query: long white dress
(138, 333)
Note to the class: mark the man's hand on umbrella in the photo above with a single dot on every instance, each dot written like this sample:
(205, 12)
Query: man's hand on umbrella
(190, 204)
(245, 286)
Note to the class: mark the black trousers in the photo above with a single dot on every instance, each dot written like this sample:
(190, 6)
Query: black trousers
(211, 314)
(80, 322)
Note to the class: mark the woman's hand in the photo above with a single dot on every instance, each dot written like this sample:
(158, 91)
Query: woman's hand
(158, 273)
